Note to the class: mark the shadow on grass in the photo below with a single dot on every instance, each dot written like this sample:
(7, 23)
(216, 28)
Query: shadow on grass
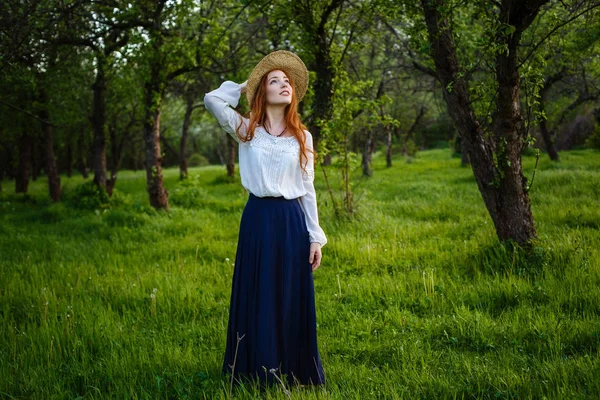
(507, 258)
(580, 220)
(224, 180)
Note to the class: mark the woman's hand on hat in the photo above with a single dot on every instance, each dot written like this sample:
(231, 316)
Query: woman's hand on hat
(243, 86)
(315, 255)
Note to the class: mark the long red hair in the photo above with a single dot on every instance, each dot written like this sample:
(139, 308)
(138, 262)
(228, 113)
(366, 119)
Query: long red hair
(258, 116)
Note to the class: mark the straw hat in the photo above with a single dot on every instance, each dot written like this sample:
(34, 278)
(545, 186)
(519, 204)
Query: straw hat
(282, 60)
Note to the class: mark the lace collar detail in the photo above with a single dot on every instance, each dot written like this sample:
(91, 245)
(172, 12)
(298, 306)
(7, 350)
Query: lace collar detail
(263, 139)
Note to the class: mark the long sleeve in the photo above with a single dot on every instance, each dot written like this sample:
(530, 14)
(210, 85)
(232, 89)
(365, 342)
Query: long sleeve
(308, 202)
(220, 103)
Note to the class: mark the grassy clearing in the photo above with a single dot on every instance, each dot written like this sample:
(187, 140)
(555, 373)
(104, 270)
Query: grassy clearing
(415, 297)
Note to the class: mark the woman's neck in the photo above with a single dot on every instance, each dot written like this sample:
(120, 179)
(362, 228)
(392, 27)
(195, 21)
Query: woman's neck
(275, 121)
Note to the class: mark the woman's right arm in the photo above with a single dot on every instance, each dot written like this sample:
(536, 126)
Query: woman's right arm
(220, 102)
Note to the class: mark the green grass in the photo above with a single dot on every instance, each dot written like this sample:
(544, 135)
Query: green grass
(415, 296)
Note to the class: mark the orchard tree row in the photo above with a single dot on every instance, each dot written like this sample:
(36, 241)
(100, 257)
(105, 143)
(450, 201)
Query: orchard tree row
(102, 85)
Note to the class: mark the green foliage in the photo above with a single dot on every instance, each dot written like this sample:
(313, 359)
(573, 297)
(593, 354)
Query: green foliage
(593, 141)
(411, 148)
(189, 192)
(455, 145)
(368, 41)
(351, 98)
(89, 196)
(438, 131)
(335, 135)
(192, 193)
(197, 160)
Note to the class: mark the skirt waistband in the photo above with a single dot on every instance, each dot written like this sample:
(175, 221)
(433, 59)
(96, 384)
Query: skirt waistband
(271, 198)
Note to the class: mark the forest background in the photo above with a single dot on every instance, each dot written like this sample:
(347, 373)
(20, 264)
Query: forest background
(434, 121)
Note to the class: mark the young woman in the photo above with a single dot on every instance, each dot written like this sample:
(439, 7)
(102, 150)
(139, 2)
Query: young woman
(272, 322)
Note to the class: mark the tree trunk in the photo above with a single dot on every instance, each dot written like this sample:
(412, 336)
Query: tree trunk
(514, 219)
(386, 127)
(411, 131)
(25, 143)
(158, 195)
(367, 155)
(3, 157)
(319, 43)
(322, 105)
(195, 145)
(69, 157)
(183, 166)
(135, 155)
(503, 189)
(116, 155)
(99, 121)
(168, 147)
(230, 156)
(546, 135)
(81, 164)
(219, 150)
(6, 158)
(37, 159)
(154, 90)
(548, 141)
(464, 154)
(51, 169)
(388, 146)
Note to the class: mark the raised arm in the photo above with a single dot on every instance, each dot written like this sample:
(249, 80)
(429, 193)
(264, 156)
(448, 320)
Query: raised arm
(308, 202)
(220, 102)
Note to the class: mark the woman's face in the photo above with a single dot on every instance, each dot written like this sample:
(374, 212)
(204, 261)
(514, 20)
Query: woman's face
(279, 89)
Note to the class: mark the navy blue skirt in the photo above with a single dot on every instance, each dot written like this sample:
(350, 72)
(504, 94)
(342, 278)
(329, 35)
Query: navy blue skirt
(271, 332)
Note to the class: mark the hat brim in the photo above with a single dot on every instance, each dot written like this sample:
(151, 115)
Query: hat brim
(279, 60)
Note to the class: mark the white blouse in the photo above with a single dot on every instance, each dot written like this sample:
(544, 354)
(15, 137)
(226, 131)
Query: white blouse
(269, 165)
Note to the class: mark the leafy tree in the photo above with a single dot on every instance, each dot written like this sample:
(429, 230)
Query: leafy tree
(32, 60)
(327, 31)
(495, 157)
(567, 63)
(102, 28)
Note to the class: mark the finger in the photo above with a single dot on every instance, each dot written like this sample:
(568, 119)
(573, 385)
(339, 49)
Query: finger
(316, 265)
(317, 262)
(312, 256)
